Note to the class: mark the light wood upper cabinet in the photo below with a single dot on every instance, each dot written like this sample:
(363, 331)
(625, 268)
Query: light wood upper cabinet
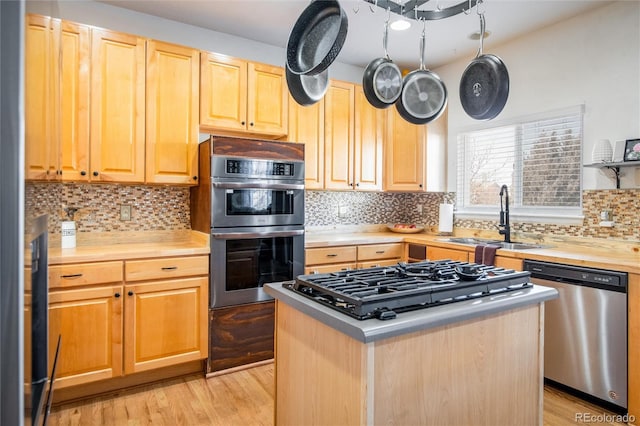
(369, 139)
(306, 125)
(223, 88)
(268, 100)
(339, 120)
(75, 53)
(237, 96)
(42, 40)
(404, 154)
(117, 107)
(172, 86)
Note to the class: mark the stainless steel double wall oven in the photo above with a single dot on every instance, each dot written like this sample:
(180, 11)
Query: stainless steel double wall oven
(251, 199)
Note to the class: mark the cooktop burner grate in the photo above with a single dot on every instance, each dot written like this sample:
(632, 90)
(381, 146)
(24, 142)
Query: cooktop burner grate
(381, 292)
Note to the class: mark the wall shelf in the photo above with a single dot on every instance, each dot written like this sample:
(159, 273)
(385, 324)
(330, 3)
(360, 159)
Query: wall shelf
(615, 167)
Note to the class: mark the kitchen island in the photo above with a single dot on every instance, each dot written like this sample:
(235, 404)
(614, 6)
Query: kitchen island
(477, 361)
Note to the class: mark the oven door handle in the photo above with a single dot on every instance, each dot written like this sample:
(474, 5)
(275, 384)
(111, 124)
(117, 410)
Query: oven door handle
(256, 185)
(250, 235)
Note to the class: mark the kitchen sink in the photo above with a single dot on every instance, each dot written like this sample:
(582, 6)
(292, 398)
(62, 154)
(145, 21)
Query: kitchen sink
(501, 244)
(471, 241)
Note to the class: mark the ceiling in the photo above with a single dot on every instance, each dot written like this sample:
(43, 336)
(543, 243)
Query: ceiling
(270, 21)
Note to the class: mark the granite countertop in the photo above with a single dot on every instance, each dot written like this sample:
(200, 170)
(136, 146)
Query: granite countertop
(105, 246)
(373, 329)
(591, 252)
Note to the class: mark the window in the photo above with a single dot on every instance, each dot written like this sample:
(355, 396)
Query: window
(538, 158)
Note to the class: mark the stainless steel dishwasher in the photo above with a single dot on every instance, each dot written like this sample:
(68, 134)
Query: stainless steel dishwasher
(585, 332)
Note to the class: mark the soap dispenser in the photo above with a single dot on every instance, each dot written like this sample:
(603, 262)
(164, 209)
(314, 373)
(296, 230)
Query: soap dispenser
(69, 229)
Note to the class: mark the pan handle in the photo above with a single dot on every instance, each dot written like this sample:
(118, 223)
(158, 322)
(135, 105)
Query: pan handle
(422, 44)
(482, 27)
(385, 36)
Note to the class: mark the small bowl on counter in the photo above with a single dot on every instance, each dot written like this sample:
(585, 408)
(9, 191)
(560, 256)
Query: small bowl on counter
(405, 228)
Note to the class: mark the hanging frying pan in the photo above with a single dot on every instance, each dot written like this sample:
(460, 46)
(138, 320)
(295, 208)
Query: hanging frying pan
(484, 86)
(424, 95)
(317, 37)
(382, 79)
(307, 89)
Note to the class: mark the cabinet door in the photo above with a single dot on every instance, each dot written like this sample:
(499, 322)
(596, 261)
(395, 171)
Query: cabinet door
(369, 130)
(40, 97)
(165, 323)
(339, 107)
(117, 107)
(404, 154)
(508, 263)
(90, 323)
(173, 86)
(267, 100)
(306, 125)
(75, 53)
(223, 91)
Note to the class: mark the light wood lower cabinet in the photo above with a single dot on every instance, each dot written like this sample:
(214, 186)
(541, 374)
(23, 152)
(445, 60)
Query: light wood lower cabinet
(89, 321)
(332, 259)
(121, 317)
(165, 323)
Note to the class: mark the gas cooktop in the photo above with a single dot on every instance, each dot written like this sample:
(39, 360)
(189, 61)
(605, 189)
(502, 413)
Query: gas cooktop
(382, 292)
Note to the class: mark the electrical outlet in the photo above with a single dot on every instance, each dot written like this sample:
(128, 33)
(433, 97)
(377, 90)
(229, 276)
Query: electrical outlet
(419, 208)
(343, 211)
(125, 212)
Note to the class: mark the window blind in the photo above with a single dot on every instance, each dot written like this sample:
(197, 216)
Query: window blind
(538, 158)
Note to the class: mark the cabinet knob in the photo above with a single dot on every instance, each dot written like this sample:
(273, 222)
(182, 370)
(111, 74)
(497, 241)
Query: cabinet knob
(130, 293)
(116, 295)
(358, 184)
(96, 173)
(195, 178)
(251, 124)
(420, 185)
(351, 184)
(83, 173)
(243, 122)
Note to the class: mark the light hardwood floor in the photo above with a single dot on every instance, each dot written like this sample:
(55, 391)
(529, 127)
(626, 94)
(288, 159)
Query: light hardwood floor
(243, 398)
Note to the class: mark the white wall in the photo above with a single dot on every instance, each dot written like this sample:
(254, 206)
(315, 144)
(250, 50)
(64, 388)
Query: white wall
(592, 59)
(119, 19)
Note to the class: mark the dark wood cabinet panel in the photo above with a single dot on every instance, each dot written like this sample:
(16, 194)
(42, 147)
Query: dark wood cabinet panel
(240, 335)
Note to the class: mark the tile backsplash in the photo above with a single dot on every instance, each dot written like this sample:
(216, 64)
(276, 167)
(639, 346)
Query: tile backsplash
(167, 208)
(153, 208)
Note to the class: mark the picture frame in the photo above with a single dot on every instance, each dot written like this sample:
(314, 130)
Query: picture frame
(632, 150)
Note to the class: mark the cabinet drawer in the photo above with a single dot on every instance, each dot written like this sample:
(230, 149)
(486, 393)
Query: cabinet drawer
(168, 267)
(376, 263)
(325, 269)
(323, 256)
(379, 251)
(439, 253)
(73, 275)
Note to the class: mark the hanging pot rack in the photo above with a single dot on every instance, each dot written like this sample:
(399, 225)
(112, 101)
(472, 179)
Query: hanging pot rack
(411, 9)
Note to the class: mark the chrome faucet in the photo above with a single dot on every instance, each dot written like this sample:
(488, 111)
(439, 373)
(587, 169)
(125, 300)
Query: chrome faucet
(504, 228)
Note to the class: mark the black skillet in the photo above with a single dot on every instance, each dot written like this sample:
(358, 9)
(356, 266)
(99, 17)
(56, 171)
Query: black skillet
(317, 37)
(307, 89)
(382, 79)
(424, 95)
(484, 86)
